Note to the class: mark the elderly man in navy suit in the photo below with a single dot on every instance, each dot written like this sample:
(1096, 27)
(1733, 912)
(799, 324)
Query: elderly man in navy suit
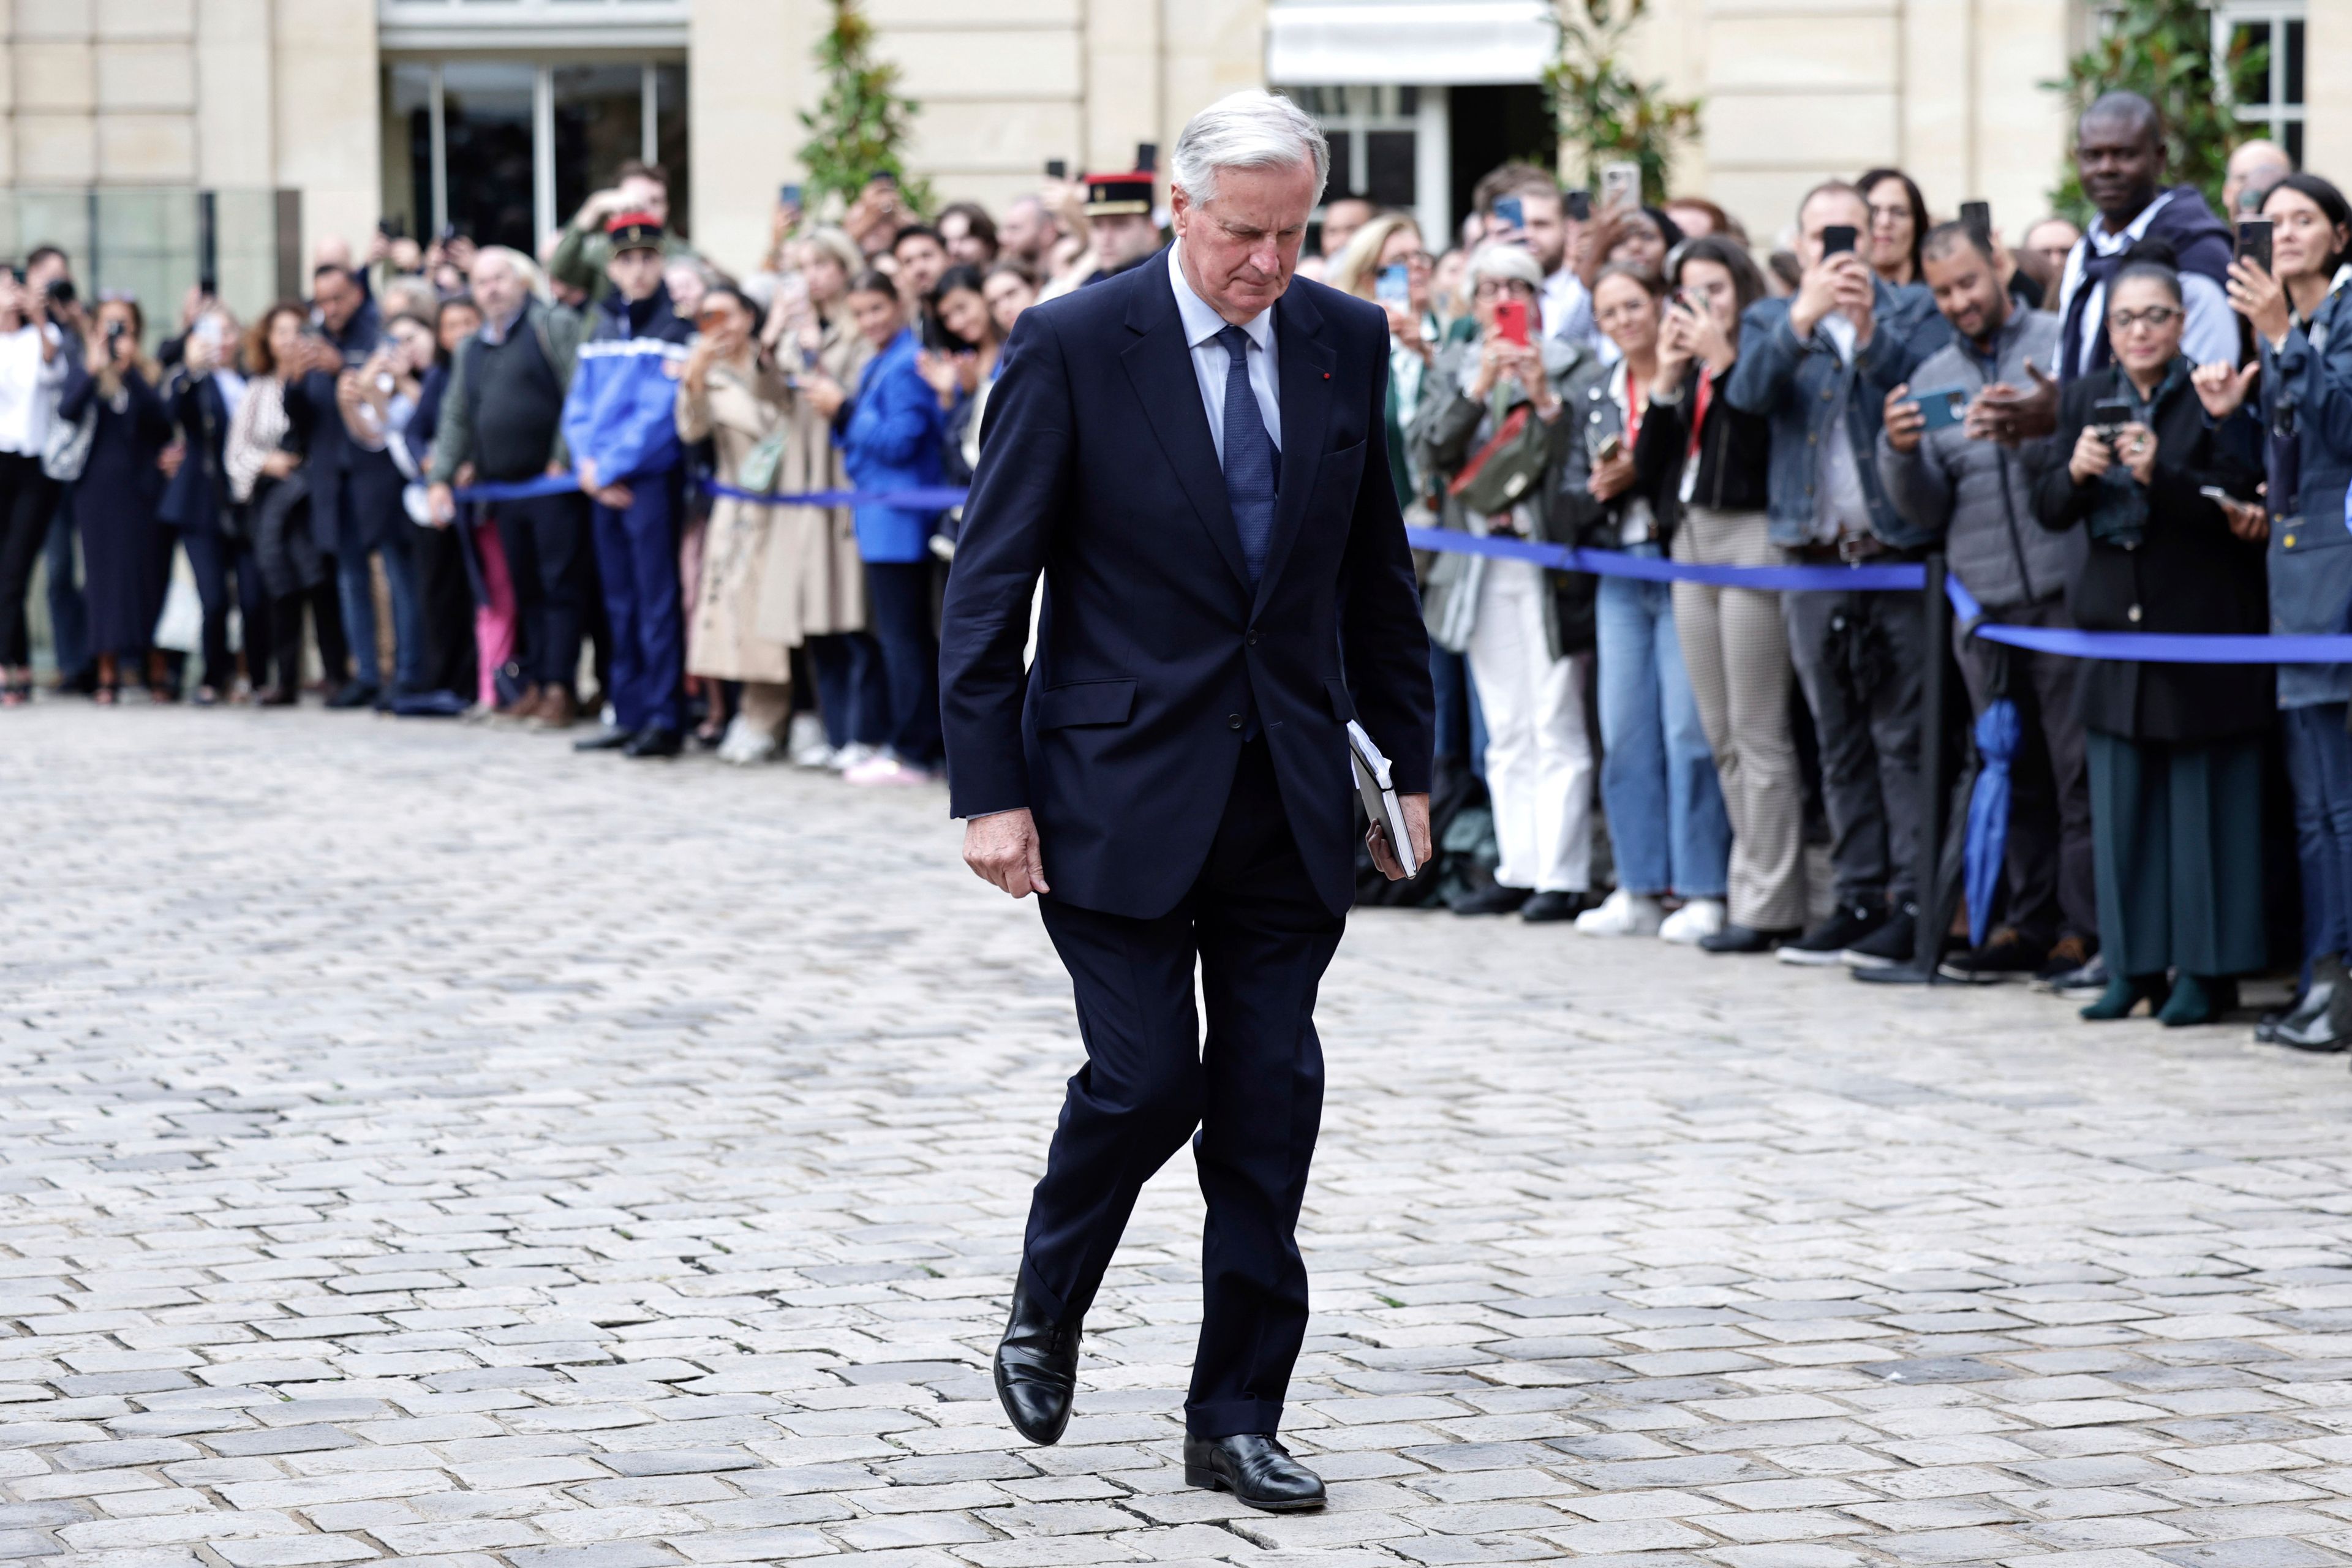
(1192, 454)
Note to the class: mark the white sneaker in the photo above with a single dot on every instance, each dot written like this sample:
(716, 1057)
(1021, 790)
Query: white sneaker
(1699, 919)
(844, 758)
(885, 772)
(746, 745)
(1622, 914)
(805, 743)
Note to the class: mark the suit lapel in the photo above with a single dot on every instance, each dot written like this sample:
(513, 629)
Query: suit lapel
(1160, 364)
(1306, 376)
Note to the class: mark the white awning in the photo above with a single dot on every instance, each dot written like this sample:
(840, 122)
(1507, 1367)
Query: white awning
(1344, 42)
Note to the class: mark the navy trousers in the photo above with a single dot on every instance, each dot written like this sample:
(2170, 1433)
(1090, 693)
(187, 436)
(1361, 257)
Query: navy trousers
(898, 618)
(1253, 1090)
(546, 541)
(637, 558)
(228, 576)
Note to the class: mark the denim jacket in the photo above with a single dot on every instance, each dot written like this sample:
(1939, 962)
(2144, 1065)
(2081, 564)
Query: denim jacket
(1796, 385)
(2306, 398)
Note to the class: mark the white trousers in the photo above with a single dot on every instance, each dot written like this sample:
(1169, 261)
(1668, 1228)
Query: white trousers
(1539, 757)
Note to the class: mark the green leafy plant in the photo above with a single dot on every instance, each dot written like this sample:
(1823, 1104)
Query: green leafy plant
(1605, 114)
(2163, 50)
(860, 127)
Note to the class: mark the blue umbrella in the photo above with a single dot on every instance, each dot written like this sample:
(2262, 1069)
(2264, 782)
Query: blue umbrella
(1998, 734)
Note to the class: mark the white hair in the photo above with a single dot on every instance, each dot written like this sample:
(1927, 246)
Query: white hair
(1248, 129)
(526, 271)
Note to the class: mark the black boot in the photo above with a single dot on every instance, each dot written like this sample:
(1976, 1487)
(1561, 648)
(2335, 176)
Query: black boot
(2322, 1021)
(1256, 1468)
(1037, 1369)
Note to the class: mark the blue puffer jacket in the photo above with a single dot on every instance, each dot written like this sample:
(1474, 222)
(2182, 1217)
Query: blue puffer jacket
(1795, 385)
(2306, 391)
(890, 438)
(622, 410)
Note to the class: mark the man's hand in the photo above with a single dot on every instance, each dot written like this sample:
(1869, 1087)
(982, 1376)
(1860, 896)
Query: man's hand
(1903, 420)
(1416, 823)
(1003, 849)
(1816, 297)
(1857, 294)
(2002, 413)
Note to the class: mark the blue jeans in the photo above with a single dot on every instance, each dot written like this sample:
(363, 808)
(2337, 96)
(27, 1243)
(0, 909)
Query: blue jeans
(845, 665)
(68, 614)
(354, 588)
(2319, 765)
(1665, 809)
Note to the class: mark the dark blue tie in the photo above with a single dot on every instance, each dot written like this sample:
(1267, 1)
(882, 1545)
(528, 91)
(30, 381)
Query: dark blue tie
(1249, 454)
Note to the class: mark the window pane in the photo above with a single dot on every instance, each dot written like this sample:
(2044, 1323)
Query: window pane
(1343, 164)
(2294, 129)
(669, 142)
(1408, 103)
(599, 124)
(486, 119)
(2294, 62)
(1389, 175)
(408, 147)
(2249, 44)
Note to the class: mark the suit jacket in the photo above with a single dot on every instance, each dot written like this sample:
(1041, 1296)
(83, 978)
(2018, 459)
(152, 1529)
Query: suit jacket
(1097, 468)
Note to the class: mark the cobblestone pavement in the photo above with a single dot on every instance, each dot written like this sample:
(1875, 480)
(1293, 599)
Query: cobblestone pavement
(423, 1143)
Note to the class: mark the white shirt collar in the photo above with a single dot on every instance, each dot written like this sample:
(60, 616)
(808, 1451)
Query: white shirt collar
(2109, 243)
(1202, 323)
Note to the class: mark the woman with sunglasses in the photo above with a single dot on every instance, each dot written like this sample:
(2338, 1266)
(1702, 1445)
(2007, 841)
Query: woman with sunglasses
(2301, 311)
(2175, 750)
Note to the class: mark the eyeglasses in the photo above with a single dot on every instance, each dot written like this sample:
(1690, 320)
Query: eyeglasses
(2153, 318)
(1486, 288)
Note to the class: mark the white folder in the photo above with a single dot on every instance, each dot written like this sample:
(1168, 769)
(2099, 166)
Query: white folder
(1380, 795)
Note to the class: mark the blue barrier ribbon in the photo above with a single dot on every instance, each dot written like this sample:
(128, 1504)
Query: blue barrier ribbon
(1900, 578)
(2148, 647)
(934, 498)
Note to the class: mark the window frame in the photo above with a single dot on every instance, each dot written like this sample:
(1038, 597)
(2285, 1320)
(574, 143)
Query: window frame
(2275, 116)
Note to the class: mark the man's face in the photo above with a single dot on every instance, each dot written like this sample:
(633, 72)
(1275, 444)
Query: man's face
(45, 271)
(636, 272)
(920, 262)
(2046, 246)
(1241, 249)
(1341, 219)
(496, 287)
(1968, 291)
(1545, 232)
(2119, 162)
(1128, 237)
(1027, 231)
(641, 194)
(2254, 168)
(338, 299)
(1827, 210)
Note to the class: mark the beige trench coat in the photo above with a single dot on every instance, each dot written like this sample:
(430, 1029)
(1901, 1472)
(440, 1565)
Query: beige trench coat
(736, 410)
(813, 582)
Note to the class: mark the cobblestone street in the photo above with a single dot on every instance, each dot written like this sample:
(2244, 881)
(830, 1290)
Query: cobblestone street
(422, 1144)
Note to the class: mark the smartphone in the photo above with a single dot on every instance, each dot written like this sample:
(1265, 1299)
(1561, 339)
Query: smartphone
(2254, 241)
(113, 332)
(1394, 287)
(788, 195)
(1058, 168)
(1511, 212)
(2110, 415)
(1682, 300)
(1942, 405)
(1838, 239)
(1579, 206)
(1978, 218)
(1621, 184)
(1511, 320)
(1611, 447)
(2214, 493)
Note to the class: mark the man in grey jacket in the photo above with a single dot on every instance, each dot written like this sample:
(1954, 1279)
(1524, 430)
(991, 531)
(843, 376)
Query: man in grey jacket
(1965, 481)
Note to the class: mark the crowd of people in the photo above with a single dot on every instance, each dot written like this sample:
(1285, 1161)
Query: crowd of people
(528, 492)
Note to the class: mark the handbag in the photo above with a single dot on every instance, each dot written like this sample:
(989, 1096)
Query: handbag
(65, 451)
(757, 469)
(1500, 473)
(179, 625)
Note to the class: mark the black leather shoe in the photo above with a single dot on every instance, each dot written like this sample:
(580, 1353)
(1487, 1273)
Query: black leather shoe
(353, 694)
(1256, 1468)
(1546, 907)
(655, 742)
(1037, 1369)
(603, 741)
(1743, 939)
(1492, 899)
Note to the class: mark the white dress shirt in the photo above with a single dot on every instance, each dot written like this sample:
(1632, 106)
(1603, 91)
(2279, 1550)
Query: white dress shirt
(2209, 336)
(1201, 325)
(28, 388)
